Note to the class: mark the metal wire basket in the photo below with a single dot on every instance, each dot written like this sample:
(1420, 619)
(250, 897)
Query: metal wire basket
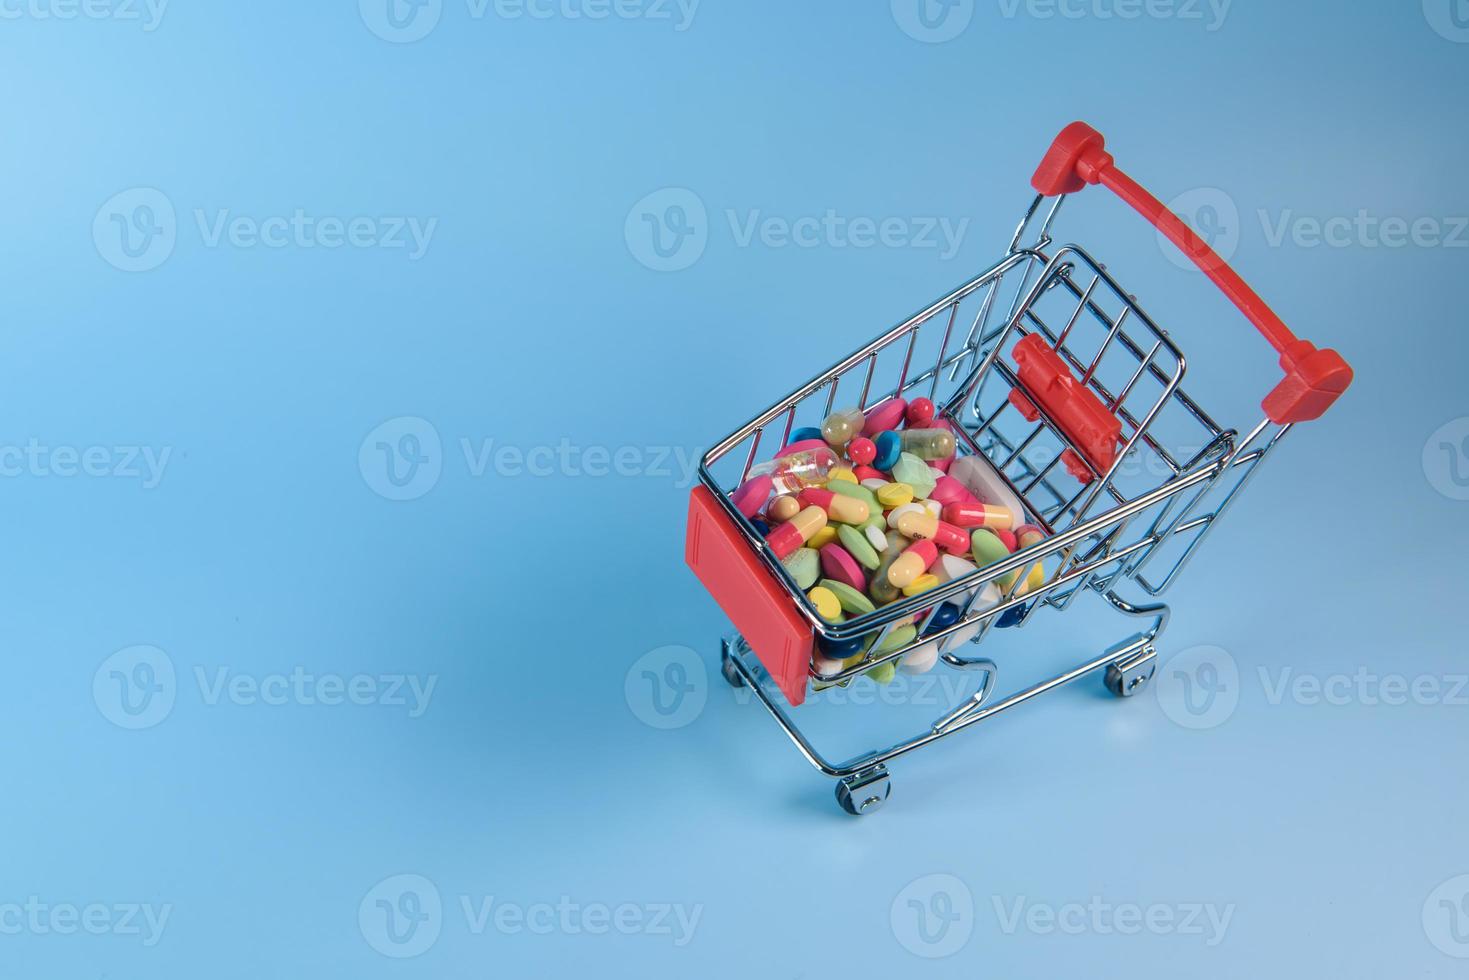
(1049, 372)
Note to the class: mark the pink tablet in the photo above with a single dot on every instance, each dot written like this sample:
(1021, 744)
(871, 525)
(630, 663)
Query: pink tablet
(839, 564)
(752, 494)
(801, 446)
(883, 417)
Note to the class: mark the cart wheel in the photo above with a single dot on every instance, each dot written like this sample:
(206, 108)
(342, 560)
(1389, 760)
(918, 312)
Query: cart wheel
(1130, 675)
(731, 673)
(865, 792)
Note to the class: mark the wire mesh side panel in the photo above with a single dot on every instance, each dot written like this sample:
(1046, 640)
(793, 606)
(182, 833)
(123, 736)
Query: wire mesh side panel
(1119, 355)
(1105, 523)
(923, 356)
(928, 355)
(1181, 528)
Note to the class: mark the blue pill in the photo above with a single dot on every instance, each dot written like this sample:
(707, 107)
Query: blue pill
(947, 616)
(808, 432)
(762, 527)
(841, 649)
(889, 448)
(1010, 617)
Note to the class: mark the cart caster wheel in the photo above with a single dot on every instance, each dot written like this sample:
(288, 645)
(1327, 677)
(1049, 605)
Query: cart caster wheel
(865, 792)
(1130, 675)
(731, 673)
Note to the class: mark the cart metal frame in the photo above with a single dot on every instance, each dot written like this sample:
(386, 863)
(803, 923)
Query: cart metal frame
(1176, 474)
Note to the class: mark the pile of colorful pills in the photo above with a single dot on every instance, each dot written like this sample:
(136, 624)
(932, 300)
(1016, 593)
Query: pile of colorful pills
(862, 512)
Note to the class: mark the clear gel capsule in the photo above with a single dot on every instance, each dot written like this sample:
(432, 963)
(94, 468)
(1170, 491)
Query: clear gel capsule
(842, 427)
(797, 471)
(928, 444)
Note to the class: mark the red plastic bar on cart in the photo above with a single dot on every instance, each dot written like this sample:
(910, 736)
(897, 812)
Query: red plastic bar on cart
(1314, 379)
(748, 593)
(1075, 410)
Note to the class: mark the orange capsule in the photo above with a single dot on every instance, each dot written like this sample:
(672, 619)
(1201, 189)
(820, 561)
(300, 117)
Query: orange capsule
(972, 513)
(783, 508)
(838, 507)
(1035, 576)
(1029, 534)
(795, 532)
(913, 562)
(921, 524)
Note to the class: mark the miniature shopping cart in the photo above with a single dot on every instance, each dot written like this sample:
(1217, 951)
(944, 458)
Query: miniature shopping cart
(1052, 373)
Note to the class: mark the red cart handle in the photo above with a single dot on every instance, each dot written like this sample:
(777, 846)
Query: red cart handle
(1313, 378)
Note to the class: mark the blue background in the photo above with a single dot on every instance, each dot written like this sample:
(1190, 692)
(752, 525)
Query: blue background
(530, 320)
